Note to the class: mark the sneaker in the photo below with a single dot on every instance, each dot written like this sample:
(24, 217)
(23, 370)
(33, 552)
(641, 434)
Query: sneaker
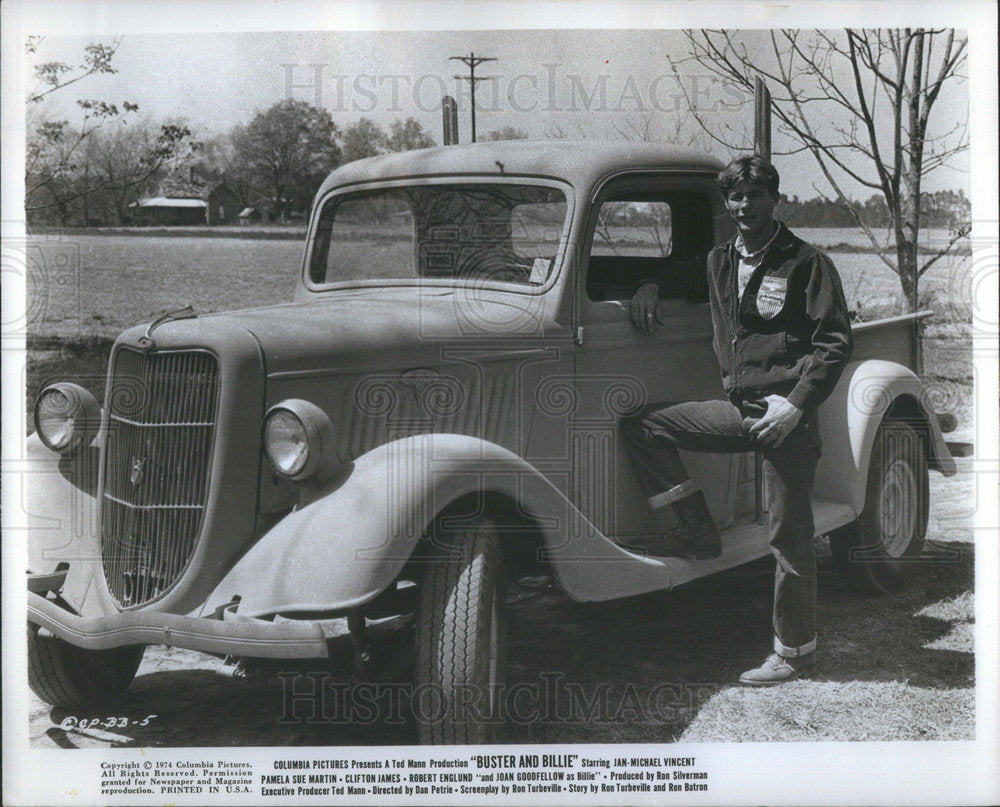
(778, 669)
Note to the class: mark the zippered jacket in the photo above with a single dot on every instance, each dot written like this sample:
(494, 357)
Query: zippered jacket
(790, 333)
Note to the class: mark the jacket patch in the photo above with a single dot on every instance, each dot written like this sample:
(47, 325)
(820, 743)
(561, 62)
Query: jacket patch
(771, 296)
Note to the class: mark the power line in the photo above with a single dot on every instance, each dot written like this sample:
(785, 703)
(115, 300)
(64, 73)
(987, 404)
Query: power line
(472, 62)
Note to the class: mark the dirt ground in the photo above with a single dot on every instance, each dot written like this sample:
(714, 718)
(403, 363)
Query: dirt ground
(657, 668)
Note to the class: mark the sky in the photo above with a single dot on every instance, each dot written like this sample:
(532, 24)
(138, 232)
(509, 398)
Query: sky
(573, 83)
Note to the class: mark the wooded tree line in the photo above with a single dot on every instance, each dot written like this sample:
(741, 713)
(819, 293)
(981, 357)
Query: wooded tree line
(941, 209)
(96, 173)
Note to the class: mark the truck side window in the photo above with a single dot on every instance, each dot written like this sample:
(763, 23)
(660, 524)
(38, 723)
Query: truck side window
(646, 236)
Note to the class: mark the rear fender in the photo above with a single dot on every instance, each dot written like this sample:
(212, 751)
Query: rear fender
(351, 540)
(850, 417)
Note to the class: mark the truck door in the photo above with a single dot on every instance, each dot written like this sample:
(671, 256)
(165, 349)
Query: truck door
(641, 228)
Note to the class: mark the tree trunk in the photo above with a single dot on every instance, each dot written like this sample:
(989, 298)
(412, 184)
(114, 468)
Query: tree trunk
(906, 260)
(906, 257)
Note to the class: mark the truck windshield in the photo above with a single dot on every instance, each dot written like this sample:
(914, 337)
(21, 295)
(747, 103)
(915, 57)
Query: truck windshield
(475, 231)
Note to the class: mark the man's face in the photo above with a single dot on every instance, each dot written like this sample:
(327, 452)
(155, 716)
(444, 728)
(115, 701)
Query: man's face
(752, 208)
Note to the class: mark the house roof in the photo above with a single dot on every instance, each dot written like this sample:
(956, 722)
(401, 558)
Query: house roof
(163, 201)
(180, 185)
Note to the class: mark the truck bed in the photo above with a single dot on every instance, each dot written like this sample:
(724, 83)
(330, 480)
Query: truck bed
(891, 339)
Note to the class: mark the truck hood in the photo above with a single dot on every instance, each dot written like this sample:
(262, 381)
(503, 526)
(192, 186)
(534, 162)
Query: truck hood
(371, 327)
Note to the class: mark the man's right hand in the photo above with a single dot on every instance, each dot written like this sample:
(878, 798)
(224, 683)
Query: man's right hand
(642, 307)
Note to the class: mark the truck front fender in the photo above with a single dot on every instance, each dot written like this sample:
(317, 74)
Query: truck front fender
(59, 496)
(849, 420)
(352, 539)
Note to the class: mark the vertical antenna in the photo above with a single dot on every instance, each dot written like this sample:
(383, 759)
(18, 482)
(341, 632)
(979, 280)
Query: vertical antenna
(762, 119)
(449, 115)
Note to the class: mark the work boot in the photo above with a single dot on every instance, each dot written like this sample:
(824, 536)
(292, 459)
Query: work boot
(777, 669)
(695, 527)
(693, 534)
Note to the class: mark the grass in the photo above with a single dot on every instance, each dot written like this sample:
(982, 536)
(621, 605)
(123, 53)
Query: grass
(890, 668)
(272, 232)
(807, 711)
(89, 285)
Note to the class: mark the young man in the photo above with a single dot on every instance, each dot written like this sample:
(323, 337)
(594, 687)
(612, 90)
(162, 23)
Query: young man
(782, 337)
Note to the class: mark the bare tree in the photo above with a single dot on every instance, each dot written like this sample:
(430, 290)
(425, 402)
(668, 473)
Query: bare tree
(860, 102)
(648, 127)
(52, 76)
(58, 166)
(123, 162)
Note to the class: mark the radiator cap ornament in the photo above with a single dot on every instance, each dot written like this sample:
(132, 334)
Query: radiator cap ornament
(146, 340)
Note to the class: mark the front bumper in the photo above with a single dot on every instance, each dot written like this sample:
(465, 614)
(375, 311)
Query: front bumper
(231, 634)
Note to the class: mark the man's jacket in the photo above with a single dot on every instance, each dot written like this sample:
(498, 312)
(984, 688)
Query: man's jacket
(790, 333)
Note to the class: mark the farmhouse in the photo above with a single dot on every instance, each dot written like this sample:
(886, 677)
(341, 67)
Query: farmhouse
(188, 200)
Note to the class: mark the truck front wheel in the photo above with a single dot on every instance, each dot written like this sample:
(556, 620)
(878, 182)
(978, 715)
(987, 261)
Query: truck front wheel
(70, 677)
(873, 552)
(460, 640)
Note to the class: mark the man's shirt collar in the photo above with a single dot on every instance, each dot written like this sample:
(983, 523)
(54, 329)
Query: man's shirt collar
(757, 253)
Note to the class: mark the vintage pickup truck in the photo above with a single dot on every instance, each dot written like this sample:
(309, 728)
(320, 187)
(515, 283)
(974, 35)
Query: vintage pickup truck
(436, 413)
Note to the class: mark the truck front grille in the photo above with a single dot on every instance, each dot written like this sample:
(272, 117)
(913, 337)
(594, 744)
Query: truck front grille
(162, 412)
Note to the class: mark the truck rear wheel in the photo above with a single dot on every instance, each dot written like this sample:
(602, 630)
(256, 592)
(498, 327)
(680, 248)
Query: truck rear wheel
(873, 552)
(460, 641)
(64, 675)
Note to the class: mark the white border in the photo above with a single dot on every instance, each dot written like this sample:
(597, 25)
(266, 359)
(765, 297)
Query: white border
(853, 773)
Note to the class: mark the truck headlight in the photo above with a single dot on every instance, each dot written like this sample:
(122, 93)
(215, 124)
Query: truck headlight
(297, 435)
(66, 417)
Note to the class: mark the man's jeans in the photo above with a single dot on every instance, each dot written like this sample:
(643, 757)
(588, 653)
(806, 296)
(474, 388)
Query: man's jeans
(653, 437)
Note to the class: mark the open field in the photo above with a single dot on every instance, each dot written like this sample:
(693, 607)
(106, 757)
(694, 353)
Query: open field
(891, 668)
(84, 285)
(85, 289)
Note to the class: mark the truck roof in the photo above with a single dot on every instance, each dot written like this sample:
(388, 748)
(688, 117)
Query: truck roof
(580, 162)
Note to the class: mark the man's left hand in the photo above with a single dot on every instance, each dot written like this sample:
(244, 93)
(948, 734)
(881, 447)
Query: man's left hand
(642, 307)
(777, 423)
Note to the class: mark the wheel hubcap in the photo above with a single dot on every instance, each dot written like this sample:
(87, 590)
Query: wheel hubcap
(898, 511)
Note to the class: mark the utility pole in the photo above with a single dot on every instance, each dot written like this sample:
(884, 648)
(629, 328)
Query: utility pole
(472, 61)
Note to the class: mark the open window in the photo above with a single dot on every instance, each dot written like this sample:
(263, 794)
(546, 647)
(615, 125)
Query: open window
(646, 235)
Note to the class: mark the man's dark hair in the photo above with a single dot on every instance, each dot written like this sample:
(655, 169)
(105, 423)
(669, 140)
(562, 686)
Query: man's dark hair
(752, 169)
